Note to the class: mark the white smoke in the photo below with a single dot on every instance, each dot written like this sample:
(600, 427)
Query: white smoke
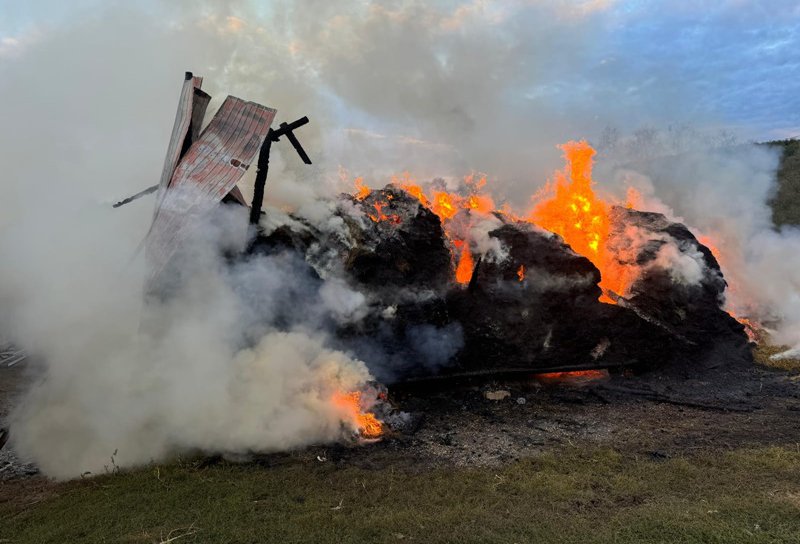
(723, 195)
(684, 264)
(71, 281)
(187, 384)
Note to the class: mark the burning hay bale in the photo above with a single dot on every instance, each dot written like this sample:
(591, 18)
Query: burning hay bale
(679, 287)
(402, 244)
(539, 310)
(437, 282)
(534, 306)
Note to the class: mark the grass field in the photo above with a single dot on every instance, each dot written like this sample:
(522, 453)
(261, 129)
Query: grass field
(570, 496)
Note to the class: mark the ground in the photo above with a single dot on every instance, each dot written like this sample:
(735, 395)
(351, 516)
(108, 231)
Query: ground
(659, 457)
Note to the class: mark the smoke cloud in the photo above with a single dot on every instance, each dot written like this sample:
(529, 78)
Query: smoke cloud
(723, 195)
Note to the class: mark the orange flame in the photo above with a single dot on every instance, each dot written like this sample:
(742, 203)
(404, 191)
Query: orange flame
(392, 218)
(521, 272)
(568, 206)
(572, 376)
(362, 191)
(465, 264)
(480, 203)
(574, 212)
(408, 185)
(445, 205)
(367, 424)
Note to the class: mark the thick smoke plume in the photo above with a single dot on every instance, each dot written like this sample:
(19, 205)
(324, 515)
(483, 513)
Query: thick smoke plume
(723, 195)
(440, 90)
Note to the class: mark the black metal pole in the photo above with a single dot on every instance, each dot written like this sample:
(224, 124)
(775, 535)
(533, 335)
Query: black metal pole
(261, 179)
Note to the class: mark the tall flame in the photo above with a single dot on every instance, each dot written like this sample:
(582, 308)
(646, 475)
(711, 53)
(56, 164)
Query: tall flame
(465, 264)
(574, 212)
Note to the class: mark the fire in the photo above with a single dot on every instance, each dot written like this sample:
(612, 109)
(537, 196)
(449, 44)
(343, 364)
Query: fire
(573, 376)
(408, 185)
(393, 218)
(362, 191)
(480, 203)
(568, 206)
(574, 212)
(445, 205)
(465, 264)
(367, 424)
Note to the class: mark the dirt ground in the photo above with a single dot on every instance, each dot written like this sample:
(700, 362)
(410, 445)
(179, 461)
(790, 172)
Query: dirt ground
(658, 414)
(453, 423)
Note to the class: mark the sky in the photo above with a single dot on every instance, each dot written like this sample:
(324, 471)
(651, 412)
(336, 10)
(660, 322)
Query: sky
(735, 61)
(437, 88)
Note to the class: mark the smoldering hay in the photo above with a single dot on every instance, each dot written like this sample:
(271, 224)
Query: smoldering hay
(216, 377)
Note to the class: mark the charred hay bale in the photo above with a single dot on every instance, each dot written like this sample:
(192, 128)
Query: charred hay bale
(386, 241)
(679, 286)
(402, 244)
(400, 259)
(538, 309)
(391, 250)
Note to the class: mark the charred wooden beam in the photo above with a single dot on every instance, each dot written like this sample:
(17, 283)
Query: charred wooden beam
(137, 196)
(286, 129)
(261, 179)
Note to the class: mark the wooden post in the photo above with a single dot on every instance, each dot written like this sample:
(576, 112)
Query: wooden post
(263, 162)
(261, 179)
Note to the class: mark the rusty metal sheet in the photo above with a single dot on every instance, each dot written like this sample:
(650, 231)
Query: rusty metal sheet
(208, 171)
(199, 106)
(192, 106)
(237, 195)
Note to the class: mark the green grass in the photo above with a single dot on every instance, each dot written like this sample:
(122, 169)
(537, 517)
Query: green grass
(572, 496)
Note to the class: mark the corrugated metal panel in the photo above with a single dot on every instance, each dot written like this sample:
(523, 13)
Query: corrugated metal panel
(199, 106)
(192, 106)
(207, 172)
(237, 195)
